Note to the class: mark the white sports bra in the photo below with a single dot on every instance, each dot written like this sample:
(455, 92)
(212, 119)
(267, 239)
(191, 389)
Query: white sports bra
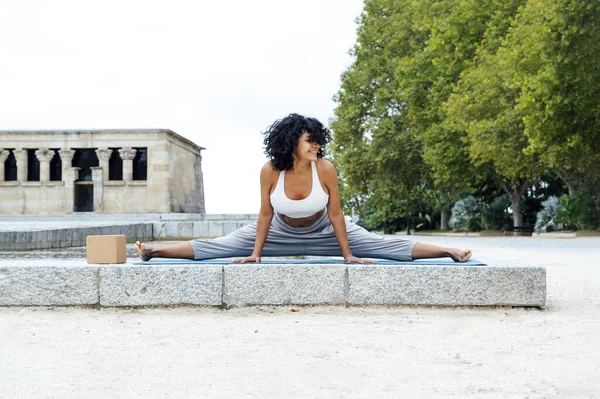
(316, 200)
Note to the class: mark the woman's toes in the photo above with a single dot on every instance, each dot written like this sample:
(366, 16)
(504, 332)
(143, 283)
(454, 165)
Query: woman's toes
(461, 255)
(144, 254)
(465, 254)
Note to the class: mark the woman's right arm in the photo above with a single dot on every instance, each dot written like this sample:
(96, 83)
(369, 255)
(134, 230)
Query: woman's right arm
(267, 179)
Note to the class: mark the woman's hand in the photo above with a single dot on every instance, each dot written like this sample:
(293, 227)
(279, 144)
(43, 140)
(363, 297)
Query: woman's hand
(354, 259)
(251, 258)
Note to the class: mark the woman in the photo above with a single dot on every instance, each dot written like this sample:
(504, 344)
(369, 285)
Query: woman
(300, 211)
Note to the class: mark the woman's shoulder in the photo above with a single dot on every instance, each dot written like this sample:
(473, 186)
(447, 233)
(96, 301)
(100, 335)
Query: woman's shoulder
(269, 170)
(326, 169)
(324, 165)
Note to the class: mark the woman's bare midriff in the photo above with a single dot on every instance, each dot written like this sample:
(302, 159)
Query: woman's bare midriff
(301, 222)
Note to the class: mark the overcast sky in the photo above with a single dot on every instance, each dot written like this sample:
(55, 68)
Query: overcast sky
(215, 72)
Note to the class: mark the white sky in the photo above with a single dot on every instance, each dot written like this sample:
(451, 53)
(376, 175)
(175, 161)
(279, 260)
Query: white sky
(215, 72)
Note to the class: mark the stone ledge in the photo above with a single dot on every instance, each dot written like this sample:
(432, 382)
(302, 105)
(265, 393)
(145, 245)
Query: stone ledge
(41, 285)
(446, 285)
(59, 283)
(70, 236)
(284, 284)
(160, 285)
(54, 183)
(108, 183)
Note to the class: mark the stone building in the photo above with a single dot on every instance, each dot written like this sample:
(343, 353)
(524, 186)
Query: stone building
(101, 171)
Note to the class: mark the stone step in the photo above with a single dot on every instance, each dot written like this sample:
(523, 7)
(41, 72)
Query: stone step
(70, 236)
(73, 282)
(27, 236)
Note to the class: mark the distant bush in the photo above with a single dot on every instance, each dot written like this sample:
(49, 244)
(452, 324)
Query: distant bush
(546, 219)
(474, 224)
(463, 211)
(496, 215)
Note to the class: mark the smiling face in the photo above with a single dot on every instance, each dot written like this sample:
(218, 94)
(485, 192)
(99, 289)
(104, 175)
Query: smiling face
(305, 150)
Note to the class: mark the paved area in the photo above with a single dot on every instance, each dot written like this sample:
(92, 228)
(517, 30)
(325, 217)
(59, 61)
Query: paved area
(324, 351)
(71, 224)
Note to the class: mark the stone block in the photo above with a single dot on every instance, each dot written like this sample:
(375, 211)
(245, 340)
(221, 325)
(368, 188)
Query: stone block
(24, 237)
(200, 229)
(159, 230)
(76, 237)
(131, 285)
(159, 167)
(254, 284)
(171, 228)
(446, 285)
(61, 237)
(148, 231)
(48, 285)
(7, 237)
(68, 239)
(185, 229)
(215, 229)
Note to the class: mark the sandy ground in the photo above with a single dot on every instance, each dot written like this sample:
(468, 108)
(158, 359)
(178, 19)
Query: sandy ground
(324, 351)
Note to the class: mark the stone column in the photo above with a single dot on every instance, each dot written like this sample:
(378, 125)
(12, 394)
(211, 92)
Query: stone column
(3, 155)
(66, 157)
(104, 158)
(72, 174)
(44, 155)
(127, 154)
(69, 176)
(97, 178)
(21, 158)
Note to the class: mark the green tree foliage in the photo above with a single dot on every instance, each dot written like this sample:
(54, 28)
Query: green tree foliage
(452, 96)
(379, 156)
(524, 104)
(554, 52)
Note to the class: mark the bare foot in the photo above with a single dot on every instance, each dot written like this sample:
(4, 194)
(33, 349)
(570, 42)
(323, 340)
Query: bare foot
(143, 252)
(461, 255)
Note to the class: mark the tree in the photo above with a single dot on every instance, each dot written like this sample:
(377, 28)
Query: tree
(484, 106)
(469, 96)
(555, 51)
(454, 30)
(379, 157)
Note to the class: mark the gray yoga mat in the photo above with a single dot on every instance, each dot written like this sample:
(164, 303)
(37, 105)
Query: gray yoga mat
(329, 261)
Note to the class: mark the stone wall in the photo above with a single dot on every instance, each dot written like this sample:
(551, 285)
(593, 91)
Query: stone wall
(32, 197)
(186, 191)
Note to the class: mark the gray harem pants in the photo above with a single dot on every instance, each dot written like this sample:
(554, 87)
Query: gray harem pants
(318, 240)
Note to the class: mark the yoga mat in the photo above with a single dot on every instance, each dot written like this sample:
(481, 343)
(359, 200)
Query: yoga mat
(329, 261)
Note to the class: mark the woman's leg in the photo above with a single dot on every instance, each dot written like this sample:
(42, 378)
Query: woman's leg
(427, 251)
(237, 243)
(365, 244)
(183, 251)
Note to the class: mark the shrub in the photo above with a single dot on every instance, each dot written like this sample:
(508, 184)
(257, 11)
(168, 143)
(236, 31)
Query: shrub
(474, 224)
(496, 215)
(546, 218)
(463, 211)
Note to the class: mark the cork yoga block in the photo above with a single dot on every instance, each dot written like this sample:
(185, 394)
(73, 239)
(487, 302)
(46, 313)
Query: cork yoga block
(105, 249)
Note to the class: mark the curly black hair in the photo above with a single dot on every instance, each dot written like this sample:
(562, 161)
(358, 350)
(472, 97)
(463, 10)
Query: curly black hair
(281, 139)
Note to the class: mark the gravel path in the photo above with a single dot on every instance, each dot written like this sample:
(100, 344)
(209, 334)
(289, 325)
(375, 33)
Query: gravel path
(324, 351)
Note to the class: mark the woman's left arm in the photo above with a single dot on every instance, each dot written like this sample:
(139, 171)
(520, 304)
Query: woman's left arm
(329, 178)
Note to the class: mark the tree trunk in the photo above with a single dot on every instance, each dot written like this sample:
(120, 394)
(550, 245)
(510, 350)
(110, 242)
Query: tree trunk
(516, 202)
(445, 217)
(407, 225)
